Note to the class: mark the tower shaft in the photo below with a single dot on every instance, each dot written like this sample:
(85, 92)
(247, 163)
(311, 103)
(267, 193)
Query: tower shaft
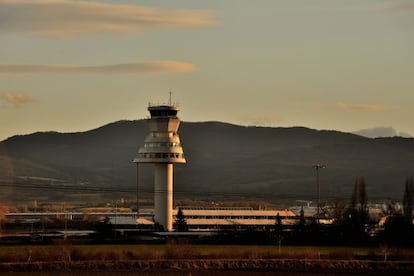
(163, 195)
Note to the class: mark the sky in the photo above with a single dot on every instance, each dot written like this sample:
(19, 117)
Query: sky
(72, 66)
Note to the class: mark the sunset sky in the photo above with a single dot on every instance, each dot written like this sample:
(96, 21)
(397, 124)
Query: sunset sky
(326, 64)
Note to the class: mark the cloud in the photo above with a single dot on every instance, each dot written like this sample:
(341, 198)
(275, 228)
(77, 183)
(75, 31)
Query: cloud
(68, 18)
(396, 6)
(360, 107)
(15, 98)
(146, 68)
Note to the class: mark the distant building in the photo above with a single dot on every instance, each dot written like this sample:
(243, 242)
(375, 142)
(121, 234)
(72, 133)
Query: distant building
(205, 219)
(216, 219)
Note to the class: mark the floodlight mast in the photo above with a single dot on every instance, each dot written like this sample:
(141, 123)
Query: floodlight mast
(317, 167)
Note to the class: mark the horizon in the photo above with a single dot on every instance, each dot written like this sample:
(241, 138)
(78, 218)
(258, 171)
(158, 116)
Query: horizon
(360, 132)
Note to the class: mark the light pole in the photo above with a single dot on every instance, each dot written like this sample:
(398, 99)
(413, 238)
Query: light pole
(116, 218)
(137, 192)
(317, 167)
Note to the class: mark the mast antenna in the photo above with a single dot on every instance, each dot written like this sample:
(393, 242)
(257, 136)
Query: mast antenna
(170, 96)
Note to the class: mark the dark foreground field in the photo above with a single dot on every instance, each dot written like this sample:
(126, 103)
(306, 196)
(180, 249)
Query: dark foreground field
(192, 273)
(210, 267)
(186, 273)
(203, 260)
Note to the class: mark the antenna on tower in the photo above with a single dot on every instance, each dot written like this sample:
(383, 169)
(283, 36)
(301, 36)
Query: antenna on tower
(170, 96)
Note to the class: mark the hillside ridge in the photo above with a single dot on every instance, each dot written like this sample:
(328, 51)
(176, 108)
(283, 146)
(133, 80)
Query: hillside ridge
(262, 162)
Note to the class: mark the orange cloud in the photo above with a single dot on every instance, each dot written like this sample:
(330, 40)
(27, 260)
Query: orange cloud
(68, 18)
(396, 6)
(150, 68)
(360, 107)
(16, 98)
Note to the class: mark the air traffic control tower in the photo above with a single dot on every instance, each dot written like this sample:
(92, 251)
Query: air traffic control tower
(162, 148)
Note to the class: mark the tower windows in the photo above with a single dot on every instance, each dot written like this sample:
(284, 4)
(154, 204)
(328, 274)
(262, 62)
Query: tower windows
(161, 145)
(163, 113)
(161, 155)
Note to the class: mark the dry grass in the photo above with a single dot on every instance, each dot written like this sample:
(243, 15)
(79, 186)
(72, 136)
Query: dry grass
(67, 252)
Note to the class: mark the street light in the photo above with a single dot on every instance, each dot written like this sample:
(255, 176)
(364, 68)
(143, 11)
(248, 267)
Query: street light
(137, 176)
(317, 167)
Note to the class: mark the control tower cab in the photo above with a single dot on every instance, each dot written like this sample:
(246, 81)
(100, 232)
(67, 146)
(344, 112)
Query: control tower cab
(162, 144)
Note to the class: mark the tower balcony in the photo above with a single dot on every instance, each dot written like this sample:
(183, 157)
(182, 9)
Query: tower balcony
(160, 157)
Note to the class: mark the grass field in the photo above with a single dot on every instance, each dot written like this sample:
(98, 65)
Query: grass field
(67, 252)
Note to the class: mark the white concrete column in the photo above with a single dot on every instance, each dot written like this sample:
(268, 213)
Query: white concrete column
(163, 197)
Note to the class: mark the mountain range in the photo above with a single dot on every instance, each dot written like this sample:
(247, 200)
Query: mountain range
(378, 132)
(224, 161)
